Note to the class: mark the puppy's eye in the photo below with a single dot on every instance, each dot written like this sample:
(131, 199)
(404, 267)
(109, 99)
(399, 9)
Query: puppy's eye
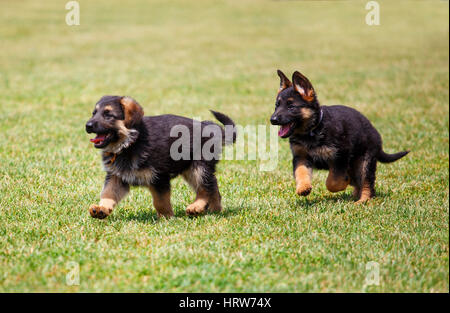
(95, 112)
(277, 103)
(107, 114)
(290, 103)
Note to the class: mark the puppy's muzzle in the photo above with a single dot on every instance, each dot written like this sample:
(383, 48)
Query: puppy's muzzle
(90, 126)
(274, 120)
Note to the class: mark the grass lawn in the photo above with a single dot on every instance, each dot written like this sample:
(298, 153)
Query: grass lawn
(187, 57)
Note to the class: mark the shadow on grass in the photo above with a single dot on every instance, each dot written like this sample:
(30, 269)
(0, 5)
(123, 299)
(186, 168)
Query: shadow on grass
(150, 216)
(230, 211)
(143, 216)
(306, 202)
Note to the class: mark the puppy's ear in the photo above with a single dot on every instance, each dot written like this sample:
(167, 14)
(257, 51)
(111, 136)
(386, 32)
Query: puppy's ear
(132, 110)
(284, 81)
(303, 86)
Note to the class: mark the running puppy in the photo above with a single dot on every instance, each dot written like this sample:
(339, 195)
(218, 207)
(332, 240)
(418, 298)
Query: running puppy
(336, 138)
(140, 150)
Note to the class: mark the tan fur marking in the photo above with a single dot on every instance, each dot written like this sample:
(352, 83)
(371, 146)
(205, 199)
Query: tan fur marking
(366, 193)
(284, 81)
(283, 87)
(336, 183)
(199, 205)
(203, 201)
(125, 138)
(323, 152)
(364, 168)
(303, 177)
(306, 95)
(123, 130)
(194, 177)
(133, 111)
(310, 96)
(108, 107)
(112, 193)
(113, 190)
(162, 204)
(143, 177)
(107, 203)
(306, 113)
(298, 150)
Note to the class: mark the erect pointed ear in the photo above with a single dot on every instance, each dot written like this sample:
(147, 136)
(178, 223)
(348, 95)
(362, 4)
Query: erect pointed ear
(284, 81)
(132, 110)
(303, 86)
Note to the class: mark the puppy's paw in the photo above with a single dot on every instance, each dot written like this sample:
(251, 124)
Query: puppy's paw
(196, 208)
(166, 214)
(216, 208)
(303, 189)
(362, 201)
(99, 212)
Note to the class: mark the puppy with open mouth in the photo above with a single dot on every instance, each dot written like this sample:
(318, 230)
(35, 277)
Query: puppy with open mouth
(336, 138)
(137, 151)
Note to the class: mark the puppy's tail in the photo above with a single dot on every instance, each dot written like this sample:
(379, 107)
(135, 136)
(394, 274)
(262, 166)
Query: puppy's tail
(230, 129)
(388, 158)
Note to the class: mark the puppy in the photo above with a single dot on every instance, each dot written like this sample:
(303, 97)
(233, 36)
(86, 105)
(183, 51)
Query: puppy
(336, 138)
(137, 150)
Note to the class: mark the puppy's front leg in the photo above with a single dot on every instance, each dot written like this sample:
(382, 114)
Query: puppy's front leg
(113, 191)
(303, 175)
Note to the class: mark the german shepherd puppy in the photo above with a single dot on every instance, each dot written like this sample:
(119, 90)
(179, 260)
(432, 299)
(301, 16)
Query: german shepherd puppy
(336, 138)
(136, 150)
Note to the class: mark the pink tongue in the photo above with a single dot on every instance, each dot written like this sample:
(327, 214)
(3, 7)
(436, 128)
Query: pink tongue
(98, 139)
(284, 129)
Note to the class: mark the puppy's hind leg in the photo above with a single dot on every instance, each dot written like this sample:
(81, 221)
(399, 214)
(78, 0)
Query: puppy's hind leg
(365, 181)
(338, 178)
(337, 182)
(202, 180)
(161, 199)
(214, 197)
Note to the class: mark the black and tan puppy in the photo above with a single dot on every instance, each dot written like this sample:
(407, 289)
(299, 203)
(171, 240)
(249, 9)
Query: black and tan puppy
(336, 138)
(136, 151)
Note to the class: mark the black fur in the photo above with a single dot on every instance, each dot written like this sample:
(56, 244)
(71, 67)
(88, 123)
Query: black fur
(336, 138)
(147, 161)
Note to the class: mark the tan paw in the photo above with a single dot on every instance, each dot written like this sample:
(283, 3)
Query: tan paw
(196, 208)
(362, 201)
(303, 189)
(99, 212)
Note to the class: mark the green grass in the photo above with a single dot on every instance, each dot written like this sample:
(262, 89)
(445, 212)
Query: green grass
(188, 57)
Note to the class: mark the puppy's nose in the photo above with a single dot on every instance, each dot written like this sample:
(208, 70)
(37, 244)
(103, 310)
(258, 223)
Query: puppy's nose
(90, 127)
(274, 120)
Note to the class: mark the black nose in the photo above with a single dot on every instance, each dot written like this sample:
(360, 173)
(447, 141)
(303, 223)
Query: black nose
(90, 127)
(274, 120)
